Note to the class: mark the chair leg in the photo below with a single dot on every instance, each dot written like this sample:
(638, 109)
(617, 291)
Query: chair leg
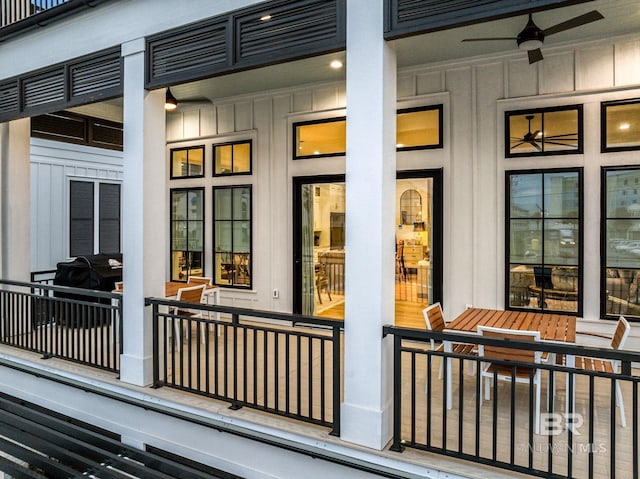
(487, 391)
(441, 367)
(537, 405)
(623, 419)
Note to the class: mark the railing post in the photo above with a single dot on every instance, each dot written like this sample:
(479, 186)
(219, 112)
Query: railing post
(397, 394)
(156, 345)
(336, 380)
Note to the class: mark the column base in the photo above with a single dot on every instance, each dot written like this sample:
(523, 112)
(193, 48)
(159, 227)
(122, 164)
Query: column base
(366, 427)
(136, 370)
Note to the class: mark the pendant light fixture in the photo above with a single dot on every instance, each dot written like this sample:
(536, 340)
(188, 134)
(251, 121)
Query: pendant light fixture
(170, 102)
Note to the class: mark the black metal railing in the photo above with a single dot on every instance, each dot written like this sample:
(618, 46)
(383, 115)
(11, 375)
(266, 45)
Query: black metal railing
(581, 434)
(15, 10)
(43, 277)
(278, 363)
(78, 325)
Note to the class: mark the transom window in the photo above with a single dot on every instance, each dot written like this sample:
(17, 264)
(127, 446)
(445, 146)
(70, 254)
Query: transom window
(187, 162)
(550, 131)
(232, 158)
(544, 238)
(621, 242)
(620, 125)
(416, 129)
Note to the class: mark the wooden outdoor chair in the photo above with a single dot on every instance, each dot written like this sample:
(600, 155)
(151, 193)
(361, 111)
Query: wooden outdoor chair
(434, 320)
(188, 294)
(611, 366)
(505, 372)
(322, 282)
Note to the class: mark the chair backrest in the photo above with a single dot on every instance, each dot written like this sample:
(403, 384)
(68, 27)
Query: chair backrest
(621, 333)
(513, 354)
(191, 294)
(433, 317)
(199, 280)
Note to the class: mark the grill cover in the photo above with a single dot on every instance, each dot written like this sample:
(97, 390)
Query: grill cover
(90, 272)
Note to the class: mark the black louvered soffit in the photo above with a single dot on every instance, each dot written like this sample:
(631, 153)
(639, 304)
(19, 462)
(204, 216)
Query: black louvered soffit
(407, 17)
(80, 81)
(244, 39)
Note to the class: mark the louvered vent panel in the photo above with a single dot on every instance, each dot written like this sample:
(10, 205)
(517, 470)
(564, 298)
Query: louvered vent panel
(9, 98)
(202, 50)
(426, 15)
(42, 89)
(99, 74)
(290, 28)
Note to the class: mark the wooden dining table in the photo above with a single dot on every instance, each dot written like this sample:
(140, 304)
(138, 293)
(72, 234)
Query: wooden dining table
(552, 327)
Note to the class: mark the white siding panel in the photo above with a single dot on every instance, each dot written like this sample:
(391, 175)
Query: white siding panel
(406, 86)
(522, 78)
(191, 123)
(302, 101)
(627, 63)
(52, 165)
(208, 121)
(325, 98)
(557, 73)
(429, 83)
(226, 122)
(594, 67)
(244, 116)
(174, 126)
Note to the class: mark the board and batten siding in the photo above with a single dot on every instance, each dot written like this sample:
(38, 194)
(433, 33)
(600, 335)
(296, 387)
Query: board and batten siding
(53, 166)
(475, 93)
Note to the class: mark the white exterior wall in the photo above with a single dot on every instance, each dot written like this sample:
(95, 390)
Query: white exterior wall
(53, 166)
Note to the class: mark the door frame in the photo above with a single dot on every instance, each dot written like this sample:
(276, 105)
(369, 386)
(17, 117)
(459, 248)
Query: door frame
(436, 218)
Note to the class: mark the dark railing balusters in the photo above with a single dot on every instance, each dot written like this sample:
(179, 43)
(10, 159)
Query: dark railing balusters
(504, 426)
(54, 321)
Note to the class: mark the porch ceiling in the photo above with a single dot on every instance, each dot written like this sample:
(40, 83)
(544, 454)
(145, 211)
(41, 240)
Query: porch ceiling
(621, 17)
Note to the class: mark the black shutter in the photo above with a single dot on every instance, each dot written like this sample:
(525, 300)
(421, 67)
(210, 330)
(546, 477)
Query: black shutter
(81, 218)
(109, 221)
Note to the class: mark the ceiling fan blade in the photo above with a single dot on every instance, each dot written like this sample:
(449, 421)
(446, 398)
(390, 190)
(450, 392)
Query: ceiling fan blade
(488, 39)
(588, 17)
(534, 55)
(537, 147)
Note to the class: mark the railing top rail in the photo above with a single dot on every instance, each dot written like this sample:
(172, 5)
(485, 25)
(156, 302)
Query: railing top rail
(62, 289)
(296, 319)
(421, 335)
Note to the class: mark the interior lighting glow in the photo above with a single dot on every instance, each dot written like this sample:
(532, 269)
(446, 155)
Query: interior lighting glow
(265, 18)
(624, 126)
(336, 64)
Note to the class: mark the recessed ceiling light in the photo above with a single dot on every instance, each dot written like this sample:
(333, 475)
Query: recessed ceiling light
(624, 126)
(265, 18)
(335, 64)
(399, 145)
(316, 152)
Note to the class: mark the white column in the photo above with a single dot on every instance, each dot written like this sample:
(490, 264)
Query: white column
(15, 199)
(370, 198)
(144, 213)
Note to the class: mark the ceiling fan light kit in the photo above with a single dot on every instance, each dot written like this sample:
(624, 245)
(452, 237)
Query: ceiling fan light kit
(531, 38)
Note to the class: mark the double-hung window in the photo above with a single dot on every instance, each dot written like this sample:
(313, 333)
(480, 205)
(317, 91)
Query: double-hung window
(232, 213)
(544, 238)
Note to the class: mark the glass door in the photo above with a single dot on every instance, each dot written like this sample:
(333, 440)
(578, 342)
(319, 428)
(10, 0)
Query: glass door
(319, 246)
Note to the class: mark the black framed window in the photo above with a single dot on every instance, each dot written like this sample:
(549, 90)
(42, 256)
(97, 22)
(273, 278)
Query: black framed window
(620, 125)
(94, 207)
(232, 232)
(187, 233)
(544, 235)
(620, 242)
(544, 131)
(417, 128)
(232, 158)
(187, 162)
